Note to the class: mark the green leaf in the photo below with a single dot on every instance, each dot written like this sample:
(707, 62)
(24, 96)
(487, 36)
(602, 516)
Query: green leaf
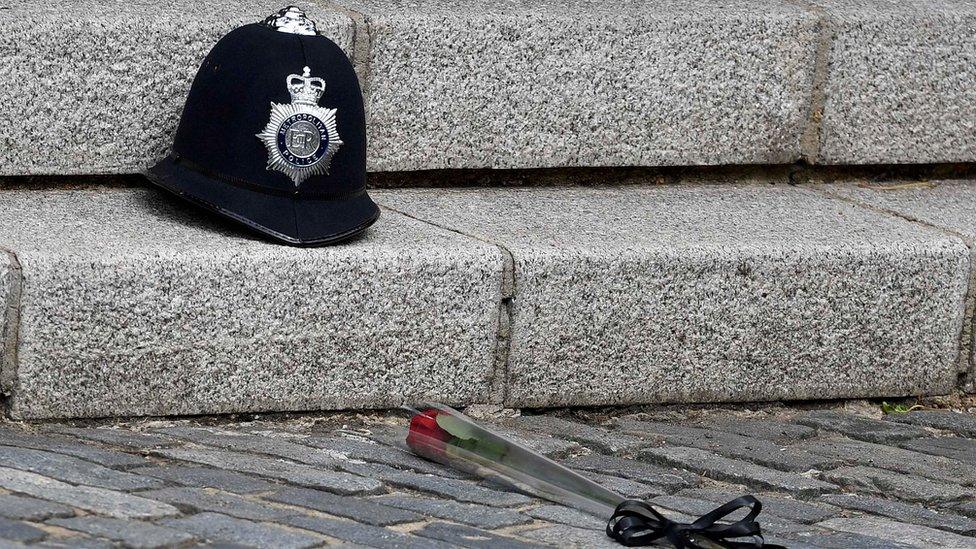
(488, 450)
(456, 427)
(471, 438)
(898, 408)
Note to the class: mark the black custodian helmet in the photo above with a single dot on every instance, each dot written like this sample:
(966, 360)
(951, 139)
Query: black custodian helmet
(273, 135)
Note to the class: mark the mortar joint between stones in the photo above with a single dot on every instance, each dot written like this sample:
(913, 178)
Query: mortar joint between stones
(9, 339)
(498, 386)
(811, 139)
(362, 41)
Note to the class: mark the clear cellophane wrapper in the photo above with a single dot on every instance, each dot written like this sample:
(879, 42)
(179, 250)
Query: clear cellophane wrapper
(447, 436)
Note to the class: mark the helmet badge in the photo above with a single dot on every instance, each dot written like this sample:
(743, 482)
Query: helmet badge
(301, 137)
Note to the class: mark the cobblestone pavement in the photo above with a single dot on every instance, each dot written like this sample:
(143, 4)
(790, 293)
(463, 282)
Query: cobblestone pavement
(827, 477)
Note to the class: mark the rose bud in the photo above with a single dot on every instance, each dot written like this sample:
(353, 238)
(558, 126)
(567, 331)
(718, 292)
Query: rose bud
(426, 437)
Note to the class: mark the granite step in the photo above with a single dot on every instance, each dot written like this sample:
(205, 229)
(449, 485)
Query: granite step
(92, 87)
(126, 302)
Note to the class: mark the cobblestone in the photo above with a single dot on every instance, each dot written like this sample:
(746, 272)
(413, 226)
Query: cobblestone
(289, 482)
(625, 487)
(72, 469)
(445, 487)
(592, 437)
(77, 542)
(860, 428)
(853, 452)
(968, 508)
(214, 527)
(695, 507)
(296, 473)
(946, 420)
(570, 536)
(71, 447)
(200, 500)
(271, 446)
(27, 508)
(799, 511)
(775, 431)
(380, 453)
(354, 532)
(691, 506)
(363, 510)
(96, 500)
(893, 531)
(13, 530)
(838, 540)
(667, 479)
(731, 445)
(471, 514)
(118, 437)
(902, 486)
(467, 536)
(732, 470)
(206, 477)
(539, 443)
(132, 533)
(569, 516)
(962, 449)
(905, 512)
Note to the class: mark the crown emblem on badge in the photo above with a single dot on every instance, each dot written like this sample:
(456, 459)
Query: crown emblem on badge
(301, 137)
(304, 89)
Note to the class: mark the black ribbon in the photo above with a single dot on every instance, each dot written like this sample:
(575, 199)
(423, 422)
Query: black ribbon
(635, 523)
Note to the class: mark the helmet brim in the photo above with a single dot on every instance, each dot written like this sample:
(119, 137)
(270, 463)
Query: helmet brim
(292, 219)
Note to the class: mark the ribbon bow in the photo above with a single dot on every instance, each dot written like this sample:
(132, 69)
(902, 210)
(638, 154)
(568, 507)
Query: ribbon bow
(635, 523)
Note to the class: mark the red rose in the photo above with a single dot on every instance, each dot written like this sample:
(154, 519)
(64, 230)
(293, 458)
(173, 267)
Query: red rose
(425, 437)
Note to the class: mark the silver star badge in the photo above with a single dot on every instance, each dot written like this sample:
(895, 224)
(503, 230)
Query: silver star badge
(301, 137)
